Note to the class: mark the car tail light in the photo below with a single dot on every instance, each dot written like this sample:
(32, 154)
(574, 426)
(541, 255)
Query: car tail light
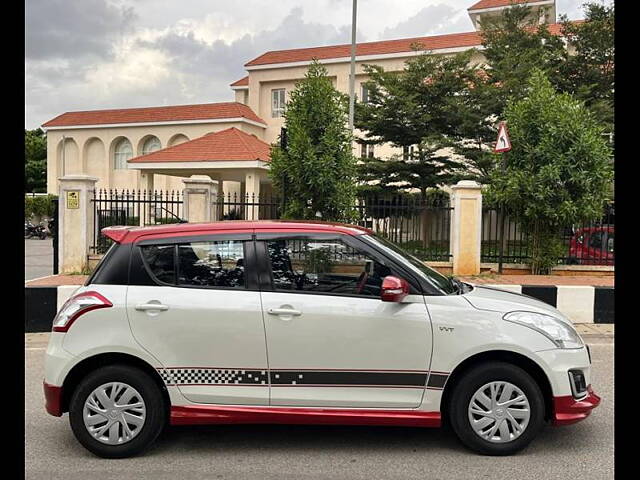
(77, 305)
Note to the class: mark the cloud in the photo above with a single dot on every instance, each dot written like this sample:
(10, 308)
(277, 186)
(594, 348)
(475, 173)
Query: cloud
(170, 66)
(430, 20)
(92, 54)
(74, 28)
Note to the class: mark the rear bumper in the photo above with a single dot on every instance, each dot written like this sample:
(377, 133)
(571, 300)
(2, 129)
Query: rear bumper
(52, 399)
(568, 410)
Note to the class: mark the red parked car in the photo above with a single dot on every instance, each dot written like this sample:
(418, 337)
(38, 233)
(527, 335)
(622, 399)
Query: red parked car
(592, 246)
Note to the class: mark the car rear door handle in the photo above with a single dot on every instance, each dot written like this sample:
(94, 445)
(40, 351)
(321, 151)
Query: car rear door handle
(284, 312)
(143, 307)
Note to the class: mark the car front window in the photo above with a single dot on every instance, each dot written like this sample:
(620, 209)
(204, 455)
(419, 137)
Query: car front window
(433, 277)
(325, 266)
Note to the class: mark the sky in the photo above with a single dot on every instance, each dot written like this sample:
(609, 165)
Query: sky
(95, 54)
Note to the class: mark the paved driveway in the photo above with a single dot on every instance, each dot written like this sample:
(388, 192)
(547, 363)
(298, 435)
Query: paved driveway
(584, 450)
(38, 258)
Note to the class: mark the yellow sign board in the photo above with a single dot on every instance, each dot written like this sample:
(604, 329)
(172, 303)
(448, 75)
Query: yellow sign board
(73, 199)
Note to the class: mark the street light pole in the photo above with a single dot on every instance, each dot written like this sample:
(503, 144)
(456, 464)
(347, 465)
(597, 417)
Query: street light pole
(352, 76)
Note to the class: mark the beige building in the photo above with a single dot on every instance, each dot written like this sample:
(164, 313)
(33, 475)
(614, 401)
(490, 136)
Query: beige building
(138, 148)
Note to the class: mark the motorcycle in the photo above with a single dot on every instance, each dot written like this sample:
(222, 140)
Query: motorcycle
(31, 230)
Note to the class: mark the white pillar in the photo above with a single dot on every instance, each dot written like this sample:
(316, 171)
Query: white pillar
(197, 197)
(75, 222)
(466, 227)
(252, 193)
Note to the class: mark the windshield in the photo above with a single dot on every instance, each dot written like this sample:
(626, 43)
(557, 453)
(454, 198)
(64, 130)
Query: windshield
(435, 278)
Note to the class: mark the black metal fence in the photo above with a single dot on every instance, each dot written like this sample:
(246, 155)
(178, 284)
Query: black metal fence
(419, 226)
(235, 206)
(584, 244)
(132, 207)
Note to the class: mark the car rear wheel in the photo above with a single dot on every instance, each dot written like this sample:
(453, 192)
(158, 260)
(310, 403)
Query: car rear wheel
(496, 409)
(117, 411)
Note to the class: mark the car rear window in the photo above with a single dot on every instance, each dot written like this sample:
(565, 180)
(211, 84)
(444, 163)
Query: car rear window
(161, 261)
(197, 264)
(211, 264)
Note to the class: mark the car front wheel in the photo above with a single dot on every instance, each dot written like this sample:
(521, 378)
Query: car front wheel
(497, 409)
(117, 411)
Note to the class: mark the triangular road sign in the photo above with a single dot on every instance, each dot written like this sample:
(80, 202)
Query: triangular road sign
(503, 144)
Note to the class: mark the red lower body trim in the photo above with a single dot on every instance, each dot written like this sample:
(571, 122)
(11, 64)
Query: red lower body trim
(568, 410)
(52, 399)
(207, 415)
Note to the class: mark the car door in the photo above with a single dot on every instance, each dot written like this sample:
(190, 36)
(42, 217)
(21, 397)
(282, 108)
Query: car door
(595, 246)
(332, 341)
(193, 303)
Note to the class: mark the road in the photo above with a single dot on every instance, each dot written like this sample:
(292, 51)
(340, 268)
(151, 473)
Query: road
(38, 258)
(584, 450)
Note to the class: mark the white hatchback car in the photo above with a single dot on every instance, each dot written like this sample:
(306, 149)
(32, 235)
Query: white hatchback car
(302, 323)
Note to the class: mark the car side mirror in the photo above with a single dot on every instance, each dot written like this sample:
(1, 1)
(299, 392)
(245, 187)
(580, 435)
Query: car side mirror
(394, 289)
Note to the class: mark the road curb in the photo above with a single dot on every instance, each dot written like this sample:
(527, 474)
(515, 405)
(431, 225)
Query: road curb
(42, 303)
(581, 303)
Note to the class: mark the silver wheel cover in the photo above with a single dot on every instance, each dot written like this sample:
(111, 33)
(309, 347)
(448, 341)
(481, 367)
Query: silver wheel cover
(499, 412)
(114, 413)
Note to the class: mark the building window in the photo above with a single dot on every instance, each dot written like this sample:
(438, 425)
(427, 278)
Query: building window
(277, 102)
(151, 144)
(407, 153)
(365, 94)
(121, 154)
(366, 151)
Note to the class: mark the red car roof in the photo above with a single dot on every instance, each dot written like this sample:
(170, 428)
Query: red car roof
(124, 234)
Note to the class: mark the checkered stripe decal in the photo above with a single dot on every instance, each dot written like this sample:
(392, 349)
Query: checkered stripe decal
(282, 378)
(213, 376)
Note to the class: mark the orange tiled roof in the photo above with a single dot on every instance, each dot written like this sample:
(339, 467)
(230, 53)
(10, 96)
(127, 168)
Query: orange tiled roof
(469, 39)
(244, 81)
(206, 111)
(497, 3)
(229, 144)
(435, 42)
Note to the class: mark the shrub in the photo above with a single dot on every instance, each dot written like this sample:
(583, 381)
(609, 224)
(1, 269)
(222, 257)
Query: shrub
(40, 206)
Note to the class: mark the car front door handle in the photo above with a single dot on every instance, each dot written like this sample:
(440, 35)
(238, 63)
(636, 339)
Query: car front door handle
(289, 312)
(143, 307)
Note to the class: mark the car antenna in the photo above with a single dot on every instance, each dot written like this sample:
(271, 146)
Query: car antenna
(180, 220)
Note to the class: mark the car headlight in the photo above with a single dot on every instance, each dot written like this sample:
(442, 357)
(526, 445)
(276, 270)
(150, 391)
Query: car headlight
(561, 334)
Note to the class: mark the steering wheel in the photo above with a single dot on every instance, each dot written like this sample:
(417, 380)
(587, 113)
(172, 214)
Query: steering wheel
(362, 281)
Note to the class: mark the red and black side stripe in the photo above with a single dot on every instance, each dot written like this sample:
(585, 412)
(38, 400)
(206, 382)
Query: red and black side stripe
(316, 378)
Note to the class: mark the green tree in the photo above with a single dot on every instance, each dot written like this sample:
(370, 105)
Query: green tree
(421, 110)
(589, 69)
(35, 161)
(558, 172)
(316, 173)
(515, 44)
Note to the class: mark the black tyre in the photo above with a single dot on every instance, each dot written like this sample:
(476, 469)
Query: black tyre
(496, 409)
(117, 411)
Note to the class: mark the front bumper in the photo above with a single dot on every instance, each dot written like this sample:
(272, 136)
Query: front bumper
(568, 410)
